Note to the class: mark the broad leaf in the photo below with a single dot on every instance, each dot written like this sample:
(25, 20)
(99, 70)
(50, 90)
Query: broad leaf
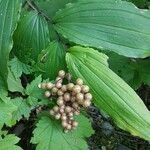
(9, 15)
(51, 60)
(110, 92)
(31, 36)
(14, 83)
(6, 110)
(17, 67)
(23, 109)
(9, 142)
(50, 7)
(49, 135)
(108, 25)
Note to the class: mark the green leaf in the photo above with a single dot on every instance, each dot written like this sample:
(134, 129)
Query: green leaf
(9, 15)
(23, 109)
(110, 92)
(108, 25)
(31, 36)
(17, 67)
(14, 83)
(6, 110)
(52, 59)
(50, 7)
(48, 135)
(9, 142)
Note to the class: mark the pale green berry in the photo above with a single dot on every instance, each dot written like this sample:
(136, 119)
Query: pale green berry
(58, 85)
(64, 117)
(86, 103)
(74, 124)
(68, 127)
(60, 92)
(55, 108)
(70, 86)
(88, 96)
(49, 85)
(52, 112)
(47, 94)
(54, 90)
(64, 88)
(77, 89)
(57, 116)
(64, 124)
(79, 81)
(61, 73)
(60, 102)
(68, 109)
(67, 97)
(79, 97)
(85, 88)
(43, 86)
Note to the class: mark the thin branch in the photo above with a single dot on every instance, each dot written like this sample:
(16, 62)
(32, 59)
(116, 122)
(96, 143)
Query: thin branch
(35, 7)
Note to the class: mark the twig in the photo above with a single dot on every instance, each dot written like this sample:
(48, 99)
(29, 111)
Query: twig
(35, 7)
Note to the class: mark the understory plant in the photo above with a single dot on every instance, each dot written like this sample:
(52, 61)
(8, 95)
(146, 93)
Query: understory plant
(59, 57)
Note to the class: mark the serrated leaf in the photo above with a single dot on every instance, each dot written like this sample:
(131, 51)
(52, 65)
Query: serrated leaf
(23, 109)
(17, 67)
(31, 36)
(6, 110)
(9, 15)
(48, 135)
(9, 142)
(51, 60)
(110, 92)
(14, 83)
(108, 25)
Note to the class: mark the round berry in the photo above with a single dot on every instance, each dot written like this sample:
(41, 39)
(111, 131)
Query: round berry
(39, 86)
(74, 124)
(52, 112)
(79, 97)
(79, 81)
(70, 114)
(75, 105)
(67, 96)
(60, 92)
(88, 96)
(59, 80)
(58, 85)
(54, 90)
(64, 124)
(43, 85)
(49, 85)
(61, 73)
(66, 131)
(68, 109)
(73, 99)
(86, 103)
(68, 127)
(85, 88)
(60, 102)
(70, 86)
(77, 112)
(61, 110)
(76, 89)
(47, 94)
(64, 117)
(55, 108)
(64, 88)
(57, 116)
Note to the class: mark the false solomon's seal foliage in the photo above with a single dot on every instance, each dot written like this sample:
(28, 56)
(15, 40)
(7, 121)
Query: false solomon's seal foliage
(109, 91)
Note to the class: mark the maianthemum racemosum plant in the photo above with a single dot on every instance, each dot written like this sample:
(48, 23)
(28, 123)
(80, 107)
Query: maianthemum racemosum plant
(101, 43)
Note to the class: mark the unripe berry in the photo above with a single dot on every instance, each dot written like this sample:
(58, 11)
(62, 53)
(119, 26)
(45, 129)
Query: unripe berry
(86, 103)
(77, 112)
(64, 88)
(75, 105)
(52, 112)
(85, 88)
(88, 96)
(64, 117)
(60, 92)
(60, 102)
(70, 114)
(64, 124)
(54, 90)
(47, 94)
(58, 80)
(57, 116)
(68, 127)
(58, 85)
(43, 85)
(49, 85)
(73, 99)
(61, 73)
(66, 131)
(79, 97)
(74, 124)
(61, 110)
(76, 89)
(70, 86)
(67, 96)
(39, 86)
(55, 108)
(79, 81)
(68, 109)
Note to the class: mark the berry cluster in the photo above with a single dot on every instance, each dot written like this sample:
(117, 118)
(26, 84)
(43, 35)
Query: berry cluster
(69, 97)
